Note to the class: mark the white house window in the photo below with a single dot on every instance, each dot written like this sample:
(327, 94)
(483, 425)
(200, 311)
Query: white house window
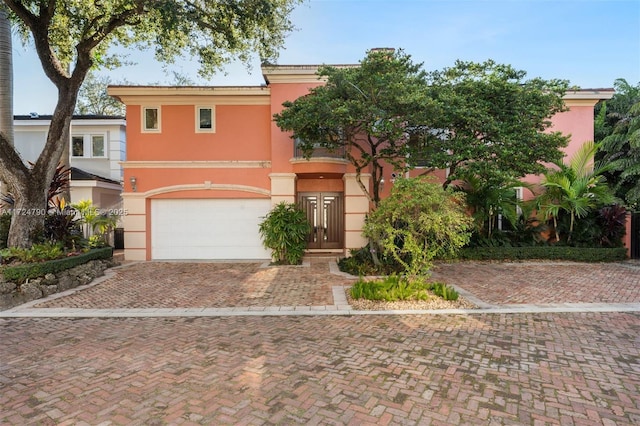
(97, 146)
(77, 146)
(151, 119)
(88, 146)
(205, 119)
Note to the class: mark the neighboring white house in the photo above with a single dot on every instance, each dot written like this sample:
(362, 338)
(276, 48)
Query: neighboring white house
(96, 147)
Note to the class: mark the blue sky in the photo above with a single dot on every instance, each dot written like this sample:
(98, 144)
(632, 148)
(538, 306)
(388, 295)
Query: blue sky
(589, 42)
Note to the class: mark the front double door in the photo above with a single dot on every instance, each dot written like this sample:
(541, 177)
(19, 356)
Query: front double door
(325, 212)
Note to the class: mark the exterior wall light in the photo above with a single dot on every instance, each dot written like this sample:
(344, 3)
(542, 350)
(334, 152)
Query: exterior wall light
(133, 181)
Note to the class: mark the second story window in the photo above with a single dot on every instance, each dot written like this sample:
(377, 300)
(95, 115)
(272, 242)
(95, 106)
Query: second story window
(205, 119)
(77, 146)
(97, 146)
(88, 146)
(150, 119)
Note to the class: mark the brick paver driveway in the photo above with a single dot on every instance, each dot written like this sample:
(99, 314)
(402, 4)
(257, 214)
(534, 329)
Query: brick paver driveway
(569, 369)
(478, 368)
(207, 285)
(546, 282)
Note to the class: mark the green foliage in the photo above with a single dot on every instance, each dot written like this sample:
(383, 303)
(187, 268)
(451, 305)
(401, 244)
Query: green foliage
(621, 152)
(285, 230)
(487, 200)
(418, 222)
(5, 223)
(444, 291)
(213, 32)
(366, 111)
(394, 288)
(360, 262)
(390, 289)
(37, 253)
(61, 225)
(603, 227)
(575, 189)
(96, 226)
(21, 273)
(576, 254)
(610, 112)
(94, 99)
(493, 122)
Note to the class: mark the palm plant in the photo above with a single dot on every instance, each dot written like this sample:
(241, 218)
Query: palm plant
(6, 81)
(621, 151)
(488, 200)
(575, 189)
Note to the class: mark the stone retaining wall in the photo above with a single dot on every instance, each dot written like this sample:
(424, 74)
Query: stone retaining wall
(12, 294)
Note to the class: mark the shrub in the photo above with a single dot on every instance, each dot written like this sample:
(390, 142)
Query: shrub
(361, 263)
(284, 230)
(61, 225)
(444, 291)
(21, 273)
(576, 254)
(418, 222)
(96, 226)
(37, 253)
(390, 289)
(612, 221)
(394, 288)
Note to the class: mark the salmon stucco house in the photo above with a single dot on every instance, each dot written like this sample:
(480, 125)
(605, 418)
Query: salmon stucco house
(206, 164)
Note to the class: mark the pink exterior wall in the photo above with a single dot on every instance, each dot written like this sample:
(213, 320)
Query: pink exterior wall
(281, 142)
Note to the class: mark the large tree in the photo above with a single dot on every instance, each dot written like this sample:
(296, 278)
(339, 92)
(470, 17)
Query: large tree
(367, 110)
(493, 122)
(72, 37)
(93, 97)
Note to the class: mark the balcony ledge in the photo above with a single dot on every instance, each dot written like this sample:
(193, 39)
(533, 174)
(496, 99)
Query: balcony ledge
(319, 165)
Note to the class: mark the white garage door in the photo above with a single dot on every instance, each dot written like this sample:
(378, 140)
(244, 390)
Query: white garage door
(207, 229)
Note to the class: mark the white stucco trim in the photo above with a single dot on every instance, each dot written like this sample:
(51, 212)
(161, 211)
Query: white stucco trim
(198, 187)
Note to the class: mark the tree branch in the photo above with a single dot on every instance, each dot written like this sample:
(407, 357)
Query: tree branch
(23, 13)
(13, 169)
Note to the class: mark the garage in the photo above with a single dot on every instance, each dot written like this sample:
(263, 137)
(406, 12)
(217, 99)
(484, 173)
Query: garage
(207, 228)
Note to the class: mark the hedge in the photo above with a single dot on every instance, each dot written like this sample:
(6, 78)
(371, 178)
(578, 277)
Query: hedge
(576, 254)
(21, 273)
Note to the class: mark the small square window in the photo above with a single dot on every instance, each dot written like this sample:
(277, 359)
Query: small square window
(77, 146)
(151, 119)
(205, 119)
(97, 146)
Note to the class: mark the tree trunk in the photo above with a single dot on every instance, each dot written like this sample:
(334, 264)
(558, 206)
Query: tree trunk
(29, 210)
(31, 185)
(6, 84)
